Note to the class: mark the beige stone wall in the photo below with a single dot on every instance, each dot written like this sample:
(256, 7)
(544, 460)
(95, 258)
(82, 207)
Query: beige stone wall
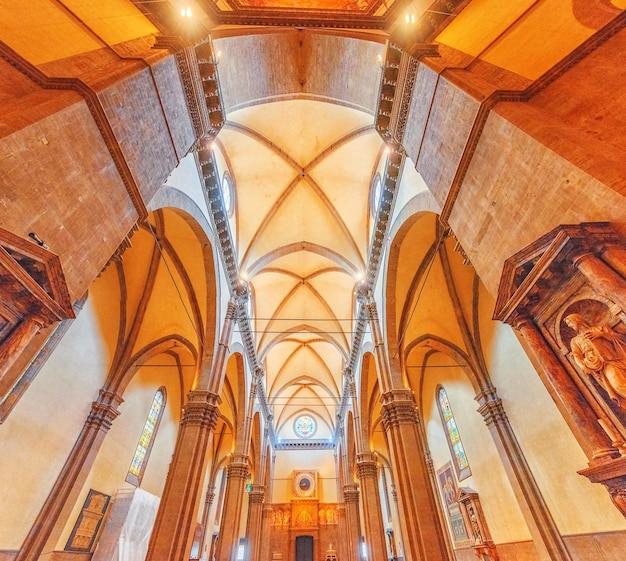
(40, 432)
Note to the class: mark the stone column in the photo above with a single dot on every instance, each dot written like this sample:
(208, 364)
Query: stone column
(211, 378)
(46, 530)
(546, 536)
(602, 278)
(353, 526)
(237, 475)
(372, 511)
(342, 529)
(172, 535)
(566, 394)
(388, 378)
(256, 497)
(421, 529)
(208, 503)
(266, 528)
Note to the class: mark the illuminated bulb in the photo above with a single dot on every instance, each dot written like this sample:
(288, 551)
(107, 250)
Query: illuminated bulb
(188, 11)
(387, 150)
(407, 18)
(412, 16)
(182, 12)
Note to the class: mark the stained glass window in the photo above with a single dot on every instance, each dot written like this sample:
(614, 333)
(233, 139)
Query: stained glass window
(142, 451)
(454, 439)
(305, 426)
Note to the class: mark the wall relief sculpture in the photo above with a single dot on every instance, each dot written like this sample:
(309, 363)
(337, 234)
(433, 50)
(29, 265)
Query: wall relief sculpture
(565, 294)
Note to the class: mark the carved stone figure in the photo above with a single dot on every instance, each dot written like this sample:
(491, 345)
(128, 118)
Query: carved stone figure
(601, 353)
(478, 537)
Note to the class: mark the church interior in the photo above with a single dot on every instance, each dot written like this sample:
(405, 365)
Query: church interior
(312, 280)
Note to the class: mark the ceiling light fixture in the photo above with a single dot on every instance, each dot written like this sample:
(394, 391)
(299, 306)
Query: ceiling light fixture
(185, 12)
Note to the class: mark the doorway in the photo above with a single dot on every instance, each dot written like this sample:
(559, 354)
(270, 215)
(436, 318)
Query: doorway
(304, 548)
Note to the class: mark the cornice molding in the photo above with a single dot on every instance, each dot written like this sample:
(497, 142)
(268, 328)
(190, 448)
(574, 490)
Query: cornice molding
(97, 112)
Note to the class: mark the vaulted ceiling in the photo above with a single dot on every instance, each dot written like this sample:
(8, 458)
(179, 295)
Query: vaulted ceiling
(302, 170)
(300, 85)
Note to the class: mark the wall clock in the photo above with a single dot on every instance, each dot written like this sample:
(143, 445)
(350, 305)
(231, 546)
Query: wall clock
(305, 484)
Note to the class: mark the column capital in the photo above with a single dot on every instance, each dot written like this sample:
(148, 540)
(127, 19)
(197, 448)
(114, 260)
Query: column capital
(257, 494)
(231, 310)
(238, 467)
(366, 466)
(201, 409)
(493, 412)
(398, 408)
(104, 411)
(210, 495)
(351, 493)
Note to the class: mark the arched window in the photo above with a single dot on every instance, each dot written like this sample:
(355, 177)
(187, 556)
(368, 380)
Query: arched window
(376, 190)
(452, 434)
(228, 193)
(142, 452)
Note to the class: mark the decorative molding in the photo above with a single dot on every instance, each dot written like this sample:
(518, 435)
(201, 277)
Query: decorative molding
(308, 444)
(543, 266)
(396, 89)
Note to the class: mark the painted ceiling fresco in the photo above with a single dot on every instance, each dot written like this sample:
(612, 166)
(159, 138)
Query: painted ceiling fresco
(366, 6)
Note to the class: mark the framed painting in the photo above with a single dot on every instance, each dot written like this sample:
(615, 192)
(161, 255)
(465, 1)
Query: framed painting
(449, 492)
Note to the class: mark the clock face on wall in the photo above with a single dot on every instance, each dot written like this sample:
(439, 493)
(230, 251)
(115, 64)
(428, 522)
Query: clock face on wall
(304, 484)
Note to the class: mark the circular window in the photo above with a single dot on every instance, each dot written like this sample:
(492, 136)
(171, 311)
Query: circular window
(375, 193)
(305, 426)
(227, 193)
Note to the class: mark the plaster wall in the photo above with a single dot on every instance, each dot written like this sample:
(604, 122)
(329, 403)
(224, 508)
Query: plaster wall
(111, 466)
(56, 405)
(322, 461)
(488, 478)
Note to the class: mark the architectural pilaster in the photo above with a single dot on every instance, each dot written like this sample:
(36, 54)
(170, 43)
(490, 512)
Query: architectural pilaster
(236, 476)
(367, 473)
(546, 536)
(48, 525)
(172, 535)
(256, 498)
(353, 526)
(421, 531)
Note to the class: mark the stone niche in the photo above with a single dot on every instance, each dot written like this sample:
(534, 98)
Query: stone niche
(566, 296)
